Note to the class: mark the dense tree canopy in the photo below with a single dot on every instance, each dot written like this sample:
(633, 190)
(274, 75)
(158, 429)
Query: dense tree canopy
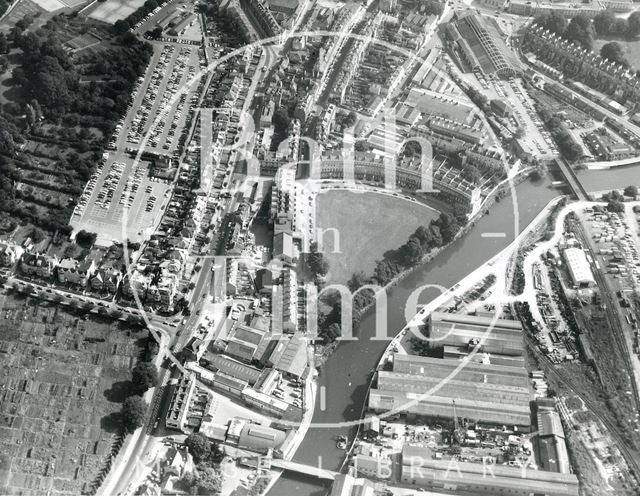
(203, 450)
(86, 239)
(631, 191)
(613, 51)
(133, 412)
(633, 28)
(205, 481)
(581, 30)
(144, 376)
(553, 22)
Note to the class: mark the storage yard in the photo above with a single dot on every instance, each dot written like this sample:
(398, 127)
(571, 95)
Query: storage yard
(63, 378)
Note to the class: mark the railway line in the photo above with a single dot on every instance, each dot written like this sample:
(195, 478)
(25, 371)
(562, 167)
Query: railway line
(612, 315)
(629, 452)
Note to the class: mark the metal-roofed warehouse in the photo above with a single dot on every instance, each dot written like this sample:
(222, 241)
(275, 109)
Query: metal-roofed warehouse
(470, 371)
(503, 337)
(486, 393)
(419, 469)
(579, 267)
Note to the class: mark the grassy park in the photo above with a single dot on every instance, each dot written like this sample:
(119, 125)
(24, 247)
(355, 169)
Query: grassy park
(368, 225)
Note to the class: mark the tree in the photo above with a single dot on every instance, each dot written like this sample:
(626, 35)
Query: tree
(36, 235)
(631, 191)
(133, 413)
(471, 174)
(204, 480)
(449, 227)
(553, 22)
(613, 52)
(316, 261)
(350, 119)
(410, 252)
(581, 30)
(331, 332)
(198, 446)
(603, 22)
(615, 206)
(144, 376)
(86, 239)
(121, 26)
(203, 450)
(4, 43)
(433, 8)
(633, 24)
(357, 280)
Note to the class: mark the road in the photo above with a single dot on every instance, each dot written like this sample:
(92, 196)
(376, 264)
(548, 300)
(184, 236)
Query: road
(139, 449)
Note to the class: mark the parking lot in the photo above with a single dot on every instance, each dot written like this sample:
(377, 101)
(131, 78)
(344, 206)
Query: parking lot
(527, 118)
(121, 189)
(524, 114)
(176, 67)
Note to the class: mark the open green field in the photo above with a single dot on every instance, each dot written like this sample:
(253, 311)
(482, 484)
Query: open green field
(368, 225)
(63, 376)
(114, 10)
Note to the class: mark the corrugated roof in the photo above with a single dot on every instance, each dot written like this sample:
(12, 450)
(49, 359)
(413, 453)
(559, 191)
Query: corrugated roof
(233, 368)
(294, 357)
(260, 437)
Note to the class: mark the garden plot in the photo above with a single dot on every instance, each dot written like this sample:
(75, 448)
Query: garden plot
(61, 384)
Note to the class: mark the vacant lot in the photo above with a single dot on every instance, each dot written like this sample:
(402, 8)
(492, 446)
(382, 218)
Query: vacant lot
(62, 379)
(114, 10)
(368, 224)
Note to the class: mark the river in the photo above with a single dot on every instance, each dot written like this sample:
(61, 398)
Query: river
(346, 373)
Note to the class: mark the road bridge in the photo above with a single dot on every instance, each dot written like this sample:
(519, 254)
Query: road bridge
(301, 468)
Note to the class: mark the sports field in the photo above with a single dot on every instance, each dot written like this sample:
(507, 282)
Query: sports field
(368, 224)
(114, 10)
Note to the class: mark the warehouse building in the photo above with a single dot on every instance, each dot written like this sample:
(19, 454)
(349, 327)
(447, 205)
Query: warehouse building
(499, 336)
(579, 267)
(420, 469)
(424, 387)
(552, 449)
(481, 47)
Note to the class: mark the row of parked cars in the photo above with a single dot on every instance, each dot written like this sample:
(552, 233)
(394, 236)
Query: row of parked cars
(131, 187)
(88, 189)
(144, 110)
(109, 185)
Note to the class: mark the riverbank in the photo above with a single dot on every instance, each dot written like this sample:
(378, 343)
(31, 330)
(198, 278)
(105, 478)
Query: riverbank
(498, 263)
(501, 191)
(627, 162)
(347, 372)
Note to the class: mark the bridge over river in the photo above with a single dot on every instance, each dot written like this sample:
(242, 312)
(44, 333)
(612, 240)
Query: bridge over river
(572, 179)
(301, 468)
